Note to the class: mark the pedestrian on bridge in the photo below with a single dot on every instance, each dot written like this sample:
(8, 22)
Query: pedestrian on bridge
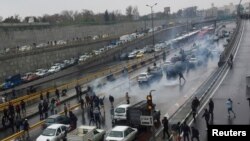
(229, 104)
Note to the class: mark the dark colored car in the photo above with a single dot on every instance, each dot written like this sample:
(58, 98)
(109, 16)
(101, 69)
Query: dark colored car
(61, 119)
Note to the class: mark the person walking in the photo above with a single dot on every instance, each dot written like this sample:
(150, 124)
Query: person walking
(101, 101)
(211, 108)
(87, 99)
(127, 98)
(186, 131)
(73, 119)
(12, 123)
(194, 113)
(195, 134)
(229, 104)
(165, 127)
(111, 100)
(65, 109)
(175, 131)
(181, 77)
(206, 115)
(91, 115)
(26, 128)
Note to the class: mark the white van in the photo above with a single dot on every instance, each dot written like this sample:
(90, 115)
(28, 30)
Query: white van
(120, 112)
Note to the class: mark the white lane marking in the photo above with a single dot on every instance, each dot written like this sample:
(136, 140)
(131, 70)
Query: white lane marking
(205, 104)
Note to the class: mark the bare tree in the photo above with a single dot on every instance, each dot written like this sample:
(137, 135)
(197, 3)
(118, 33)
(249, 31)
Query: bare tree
(129, 12)
(135, 13)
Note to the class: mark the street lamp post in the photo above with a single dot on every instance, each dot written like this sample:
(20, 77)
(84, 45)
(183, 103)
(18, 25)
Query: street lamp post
(152, 19)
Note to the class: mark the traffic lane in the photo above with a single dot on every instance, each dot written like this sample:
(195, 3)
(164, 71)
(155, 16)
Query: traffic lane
(234, 87)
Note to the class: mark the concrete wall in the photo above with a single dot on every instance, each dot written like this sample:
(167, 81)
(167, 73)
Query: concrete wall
(10, 37)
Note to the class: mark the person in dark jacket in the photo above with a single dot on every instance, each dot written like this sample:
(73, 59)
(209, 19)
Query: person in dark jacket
(81, 101)
(211, 108)
(18, 123)
(165, 127)
(186, 131)
(40, 109)
(23, 107)
(73, 119)
(195, 134)
(206, 115)
(111, 100)
(26, 127)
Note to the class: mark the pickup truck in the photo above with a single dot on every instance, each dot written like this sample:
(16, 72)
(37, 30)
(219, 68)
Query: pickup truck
(84, 133)
(134, 112)
(144, 77)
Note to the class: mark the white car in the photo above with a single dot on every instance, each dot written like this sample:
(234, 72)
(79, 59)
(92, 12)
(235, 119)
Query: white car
(61, 42)
(41, 45)
(54, 69)
(54, 132)
(144, 77)
(41, 72)
(120, 112)
(122, 133)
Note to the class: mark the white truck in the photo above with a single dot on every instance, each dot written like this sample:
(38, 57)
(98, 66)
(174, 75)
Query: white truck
(84, 133)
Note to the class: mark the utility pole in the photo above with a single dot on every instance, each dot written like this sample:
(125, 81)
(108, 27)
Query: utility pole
(152, 19)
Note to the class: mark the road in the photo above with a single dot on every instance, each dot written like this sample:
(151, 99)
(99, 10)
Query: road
(169, 94)
(233, 86)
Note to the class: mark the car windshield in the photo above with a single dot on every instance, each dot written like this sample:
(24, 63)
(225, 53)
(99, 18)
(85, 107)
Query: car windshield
(120, 110)
(49, 132)
(118, 134)
(50, 120)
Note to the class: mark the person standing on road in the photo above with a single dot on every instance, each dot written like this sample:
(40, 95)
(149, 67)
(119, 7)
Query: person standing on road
(206, 115)
(18, 123)
(111, 100)
(211, 108)
(101, 101)
(127, 98)
(18, 110)
(194, 113)
(73, 119)
(65, 109)
(165, 127)
(91, 115)
(181, 77)
(23, 107)
(186, 131)
(195, 103)
(195, 134)
(81, 101)
(47, 95)
(12, 124)
(97, 116)
(40, 109)
(87, 100)
(45, 108)
(57, 94)
(229, 104)
(11, 110)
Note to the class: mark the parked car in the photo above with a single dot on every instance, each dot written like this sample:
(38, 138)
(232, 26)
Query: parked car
(61, 42)
(41, 45)
(139, 54)
(29, 77)
(54, 69)
(122, 133)
(41, 72)
(55, 132)
(56, 119)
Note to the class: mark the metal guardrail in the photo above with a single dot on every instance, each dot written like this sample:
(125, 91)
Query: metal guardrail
(210, 83)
